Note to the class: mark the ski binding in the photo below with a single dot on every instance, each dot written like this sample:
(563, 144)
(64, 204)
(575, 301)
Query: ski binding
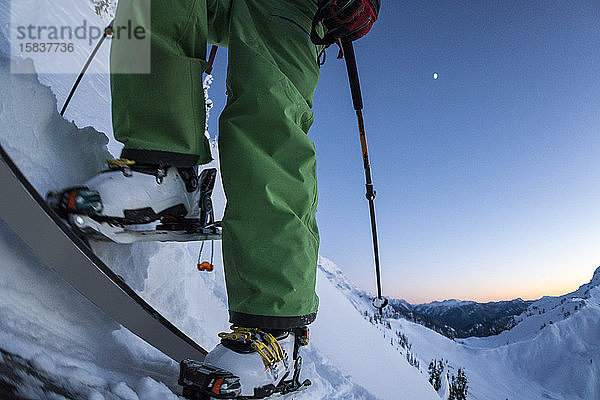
(202, 381)
(82, 208)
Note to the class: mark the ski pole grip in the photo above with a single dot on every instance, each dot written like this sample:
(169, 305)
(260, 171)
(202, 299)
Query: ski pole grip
(350, 57)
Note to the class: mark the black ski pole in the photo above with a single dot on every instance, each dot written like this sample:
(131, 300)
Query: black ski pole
(107, 32)
(348, 51)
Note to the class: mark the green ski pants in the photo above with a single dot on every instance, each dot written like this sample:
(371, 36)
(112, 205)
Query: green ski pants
(268, 164)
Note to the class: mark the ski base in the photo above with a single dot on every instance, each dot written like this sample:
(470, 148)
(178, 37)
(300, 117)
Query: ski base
(185, 231)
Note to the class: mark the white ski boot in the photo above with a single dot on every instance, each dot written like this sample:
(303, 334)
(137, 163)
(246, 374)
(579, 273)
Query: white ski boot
(128, 194)
(247, 364)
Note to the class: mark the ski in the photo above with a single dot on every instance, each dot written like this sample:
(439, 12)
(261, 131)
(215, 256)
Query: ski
(59, 247)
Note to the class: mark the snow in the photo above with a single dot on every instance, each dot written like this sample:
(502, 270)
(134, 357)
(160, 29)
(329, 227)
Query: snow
(44, 321)
(355, 345)
(90, 105)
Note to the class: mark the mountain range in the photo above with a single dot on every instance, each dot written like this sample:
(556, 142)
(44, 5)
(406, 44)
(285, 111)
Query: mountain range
(461, 319)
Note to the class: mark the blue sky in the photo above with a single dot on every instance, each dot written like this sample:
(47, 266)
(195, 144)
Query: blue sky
(488, 178)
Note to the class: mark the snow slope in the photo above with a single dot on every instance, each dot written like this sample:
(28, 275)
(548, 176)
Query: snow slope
(87, 355)
(537, 359)
(557, 342)
(96, 110)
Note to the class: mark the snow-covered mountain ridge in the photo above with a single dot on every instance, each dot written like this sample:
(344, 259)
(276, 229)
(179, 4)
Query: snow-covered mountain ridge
(469, 318)
(451, 318)
(556, 342)
(595, 279)
(551, 352)
(488, 319)
(550, 310)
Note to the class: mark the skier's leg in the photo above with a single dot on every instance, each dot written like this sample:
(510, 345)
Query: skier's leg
(270, 237)
(159, 116)
(158, 113)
